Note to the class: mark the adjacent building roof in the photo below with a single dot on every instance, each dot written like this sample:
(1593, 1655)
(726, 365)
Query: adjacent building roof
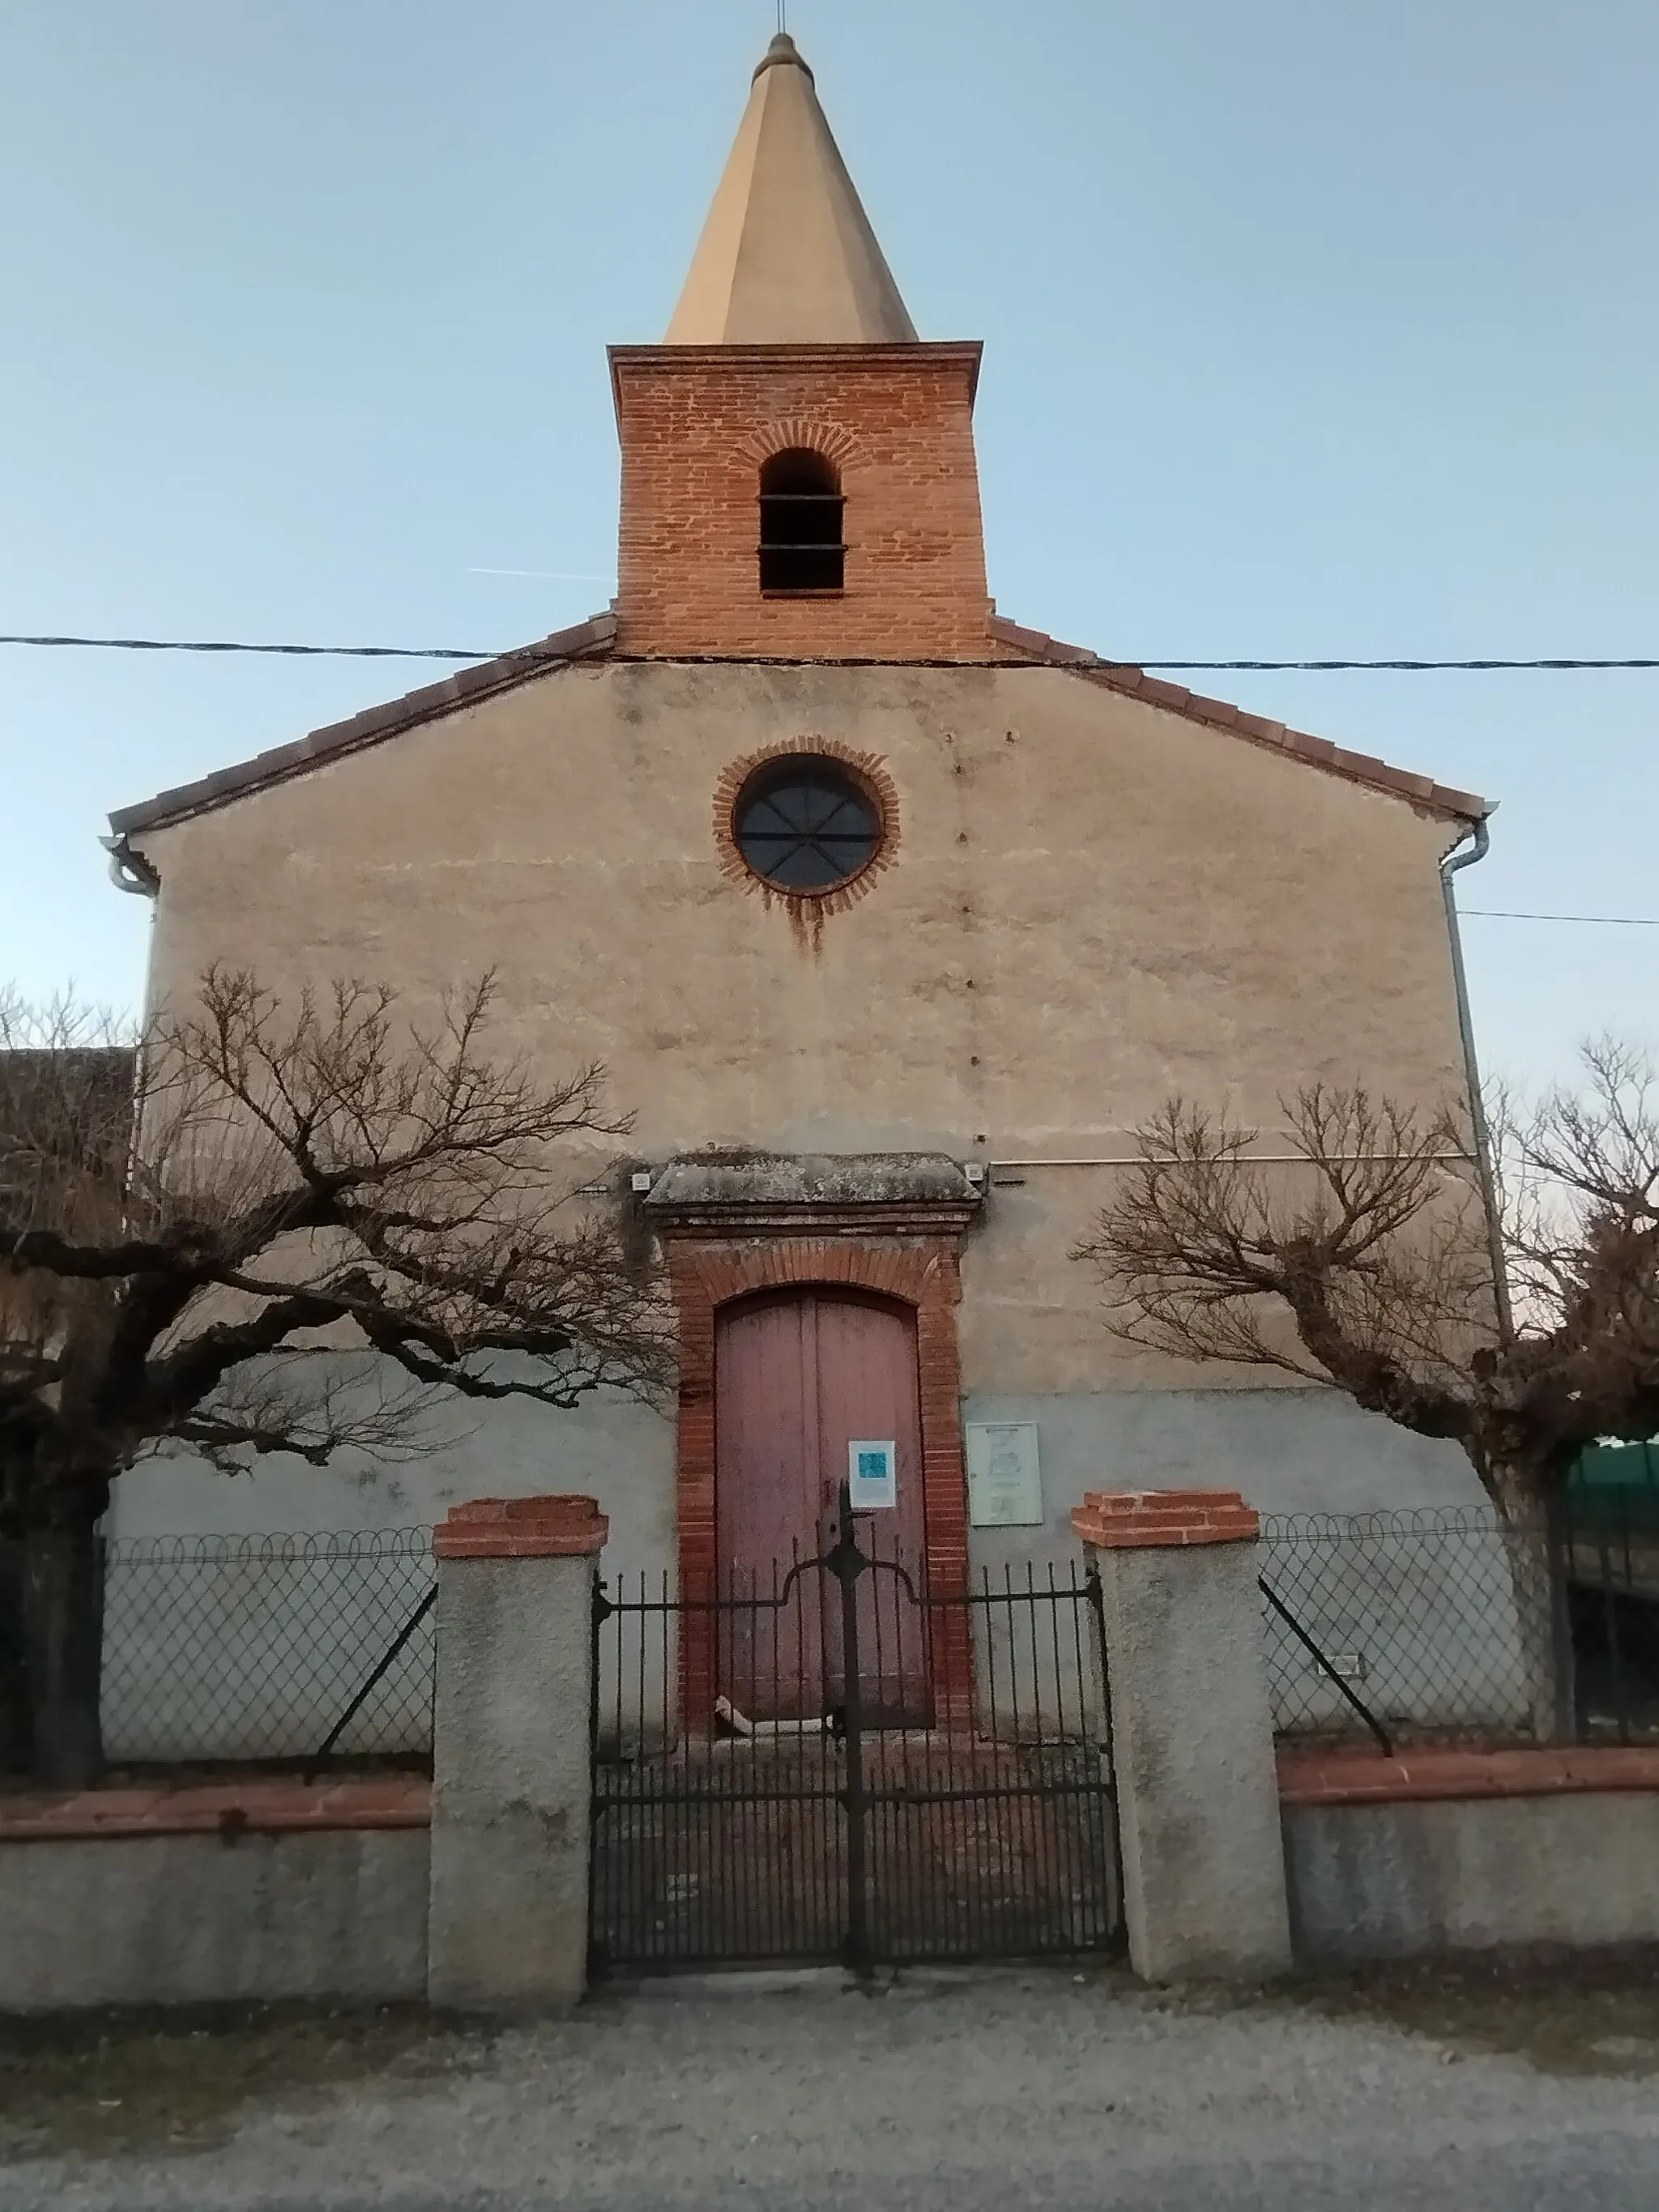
(787, 256)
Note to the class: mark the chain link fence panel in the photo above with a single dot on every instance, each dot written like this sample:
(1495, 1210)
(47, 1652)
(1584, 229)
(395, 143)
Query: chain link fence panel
(1436, 1621)
(243, 1647)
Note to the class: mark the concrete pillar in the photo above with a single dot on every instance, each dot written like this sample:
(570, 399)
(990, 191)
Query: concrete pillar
(1203, 1859)
(511, 1753)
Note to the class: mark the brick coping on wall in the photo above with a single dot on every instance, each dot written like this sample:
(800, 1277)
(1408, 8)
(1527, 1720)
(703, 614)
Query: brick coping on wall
(1156, 1520)
(522, 1528)
(270, 1806)
(1424, 1774)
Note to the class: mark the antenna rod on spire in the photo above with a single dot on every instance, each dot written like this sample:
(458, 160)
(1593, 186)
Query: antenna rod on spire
(783, 17)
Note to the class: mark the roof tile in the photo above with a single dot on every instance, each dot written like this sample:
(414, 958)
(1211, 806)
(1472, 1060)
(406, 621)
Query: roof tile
(596, 638)
(593, 636)
(1135, 684)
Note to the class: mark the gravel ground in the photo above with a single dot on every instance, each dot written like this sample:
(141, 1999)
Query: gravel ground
(1516, 2088)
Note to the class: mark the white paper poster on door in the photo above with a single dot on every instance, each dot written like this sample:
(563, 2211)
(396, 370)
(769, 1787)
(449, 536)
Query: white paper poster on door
(872, 1474)
(1004, 1477)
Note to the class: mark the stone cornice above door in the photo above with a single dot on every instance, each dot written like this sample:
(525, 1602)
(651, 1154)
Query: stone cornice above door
(745, 1194)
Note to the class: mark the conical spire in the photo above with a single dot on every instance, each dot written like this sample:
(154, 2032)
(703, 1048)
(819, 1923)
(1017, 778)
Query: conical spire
(787, 256)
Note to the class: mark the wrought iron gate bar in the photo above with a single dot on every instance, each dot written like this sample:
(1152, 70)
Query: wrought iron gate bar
(986, 1795)
(715, 1797)
(925, 1774)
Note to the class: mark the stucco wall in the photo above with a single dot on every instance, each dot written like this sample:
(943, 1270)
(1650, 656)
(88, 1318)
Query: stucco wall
(189, 1919)
(1390, 1880)
(1288, 1451)
(1192, 1754)
(1094, 903)
(610, 1447)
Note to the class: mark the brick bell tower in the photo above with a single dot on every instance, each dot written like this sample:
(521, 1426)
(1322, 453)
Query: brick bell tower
(798, 472)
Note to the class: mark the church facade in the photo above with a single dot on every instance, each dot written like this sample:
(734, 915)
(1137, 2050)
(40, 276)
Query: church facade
(891, 921)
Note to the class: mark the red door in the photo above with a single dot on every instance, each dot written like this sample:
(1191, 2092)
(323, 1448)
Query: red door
(799, 1376)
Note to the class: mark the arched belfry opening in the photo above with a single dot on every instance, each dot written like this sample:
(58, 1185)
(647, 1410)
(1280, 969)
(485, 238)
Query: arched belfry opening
(802, 515)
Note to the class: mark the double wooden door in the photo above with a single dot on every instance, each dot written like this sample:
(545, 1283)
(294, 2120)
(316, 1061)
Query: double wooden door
(799, 1376)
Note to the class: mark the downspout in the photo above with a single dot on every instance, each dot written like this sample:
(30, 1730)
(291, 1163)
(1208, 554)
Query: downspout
(129, 871)
(1461, 858)
(1551, 1574)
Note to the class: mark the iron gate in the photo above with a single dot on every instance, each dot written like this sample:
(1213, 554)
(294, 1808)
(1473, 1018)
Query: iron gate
(843, 1765)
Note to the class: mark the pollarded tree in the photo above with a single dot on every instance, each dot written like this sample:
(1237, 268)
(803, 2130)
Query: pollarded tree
(266, 1228)
(1372, 1263)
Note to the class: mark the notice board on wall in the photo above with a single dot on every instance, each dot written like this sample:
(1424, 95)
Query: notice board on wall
(872, 1474)
(1004, 1475)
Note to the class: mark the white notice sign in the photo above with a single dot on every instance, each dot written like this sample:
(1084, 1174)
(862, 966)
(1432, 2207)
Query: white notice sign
(1005, 1478)
(872, 1475)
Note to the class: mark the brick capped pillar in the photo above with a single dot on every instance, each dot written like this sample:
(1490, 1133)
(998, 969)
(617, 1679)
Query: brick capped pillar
(512, 1753)
(1192, 1732)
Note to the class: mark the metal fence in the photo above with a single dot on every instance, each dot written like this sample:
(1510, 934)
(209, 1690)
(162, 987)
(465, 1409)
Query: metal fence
(1610, 1563)
(1446, 1626)
(1414, 1627)
(831, 1761)
(269, 1647)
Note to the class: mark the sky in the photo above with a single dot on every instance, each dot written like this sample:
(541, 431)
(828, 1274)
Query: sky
(1312, 330)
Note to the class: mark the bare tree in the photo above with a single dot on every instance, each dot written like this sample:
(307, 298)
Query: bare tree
(1367, 1262)
(263, 1228)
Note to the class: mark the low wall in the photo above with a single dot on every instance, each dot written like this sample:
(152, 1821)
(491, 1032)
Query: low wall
(214, 1895)
(1468, 1850)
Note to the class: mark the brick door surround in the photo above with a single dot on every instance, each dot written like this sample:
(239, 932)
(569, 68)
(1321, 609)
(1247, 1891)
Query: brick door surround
(902, 1259)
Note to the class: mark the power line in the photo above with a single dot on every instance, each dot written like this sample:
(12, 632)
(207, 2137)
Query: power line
(457, 652)
(1410, 667)
(1614, 921)
(491, 653)
(229, 645)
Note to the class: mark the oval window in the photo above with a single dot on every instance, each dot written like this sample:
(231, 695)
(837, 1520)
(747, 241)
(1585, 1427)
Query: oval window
(806, 824)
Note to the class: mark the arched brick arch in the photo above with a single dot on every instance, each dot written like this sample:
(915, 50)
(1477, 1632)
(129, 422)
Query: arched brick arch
(921, 1272)
(791, 433)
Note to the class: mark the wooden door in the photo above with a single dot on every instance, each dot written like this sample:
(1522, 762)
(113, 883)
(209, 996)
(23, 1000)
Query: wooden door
(798, 1377)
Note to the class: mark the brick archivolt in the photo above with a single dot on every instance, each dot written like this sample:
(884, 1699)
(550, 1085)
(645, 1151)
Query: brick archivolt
(793, 432)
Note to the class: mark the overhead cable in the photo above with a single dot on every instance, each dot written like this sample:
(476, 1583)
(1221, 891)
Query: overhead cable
(527, 651)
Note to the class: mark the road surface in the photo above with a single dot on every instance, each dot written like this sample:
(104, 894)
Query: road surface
(941, 2095)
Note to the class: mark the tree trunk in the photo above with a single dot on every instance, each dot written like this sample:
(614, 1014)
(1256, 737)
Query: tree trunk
(63, 1637)
(1537, 1570)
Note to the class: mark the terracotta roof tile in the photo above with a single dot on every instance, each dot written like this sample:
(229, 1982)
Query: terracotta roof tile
(587, 641)
(1217, 714)
(595, 639)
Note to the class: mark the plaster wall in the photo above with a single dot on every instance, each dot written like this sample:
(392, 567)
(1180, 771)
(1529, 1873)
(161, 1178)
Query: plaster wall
(1093, 903)
(211, 1656)
(1394, 1881)
(1286, 1450)
(1192, 1754)
(511, 1781)
(610, 1447)
(185, 1920)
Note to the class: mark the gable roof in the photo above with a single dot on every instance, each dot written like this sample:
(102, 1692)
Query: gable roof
(587, 641)
(595, 640)
(1135, 683)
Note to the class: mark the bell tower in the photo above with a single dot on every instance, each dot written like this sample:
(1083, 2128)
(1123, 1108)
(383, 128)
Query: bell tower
(798, 477)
